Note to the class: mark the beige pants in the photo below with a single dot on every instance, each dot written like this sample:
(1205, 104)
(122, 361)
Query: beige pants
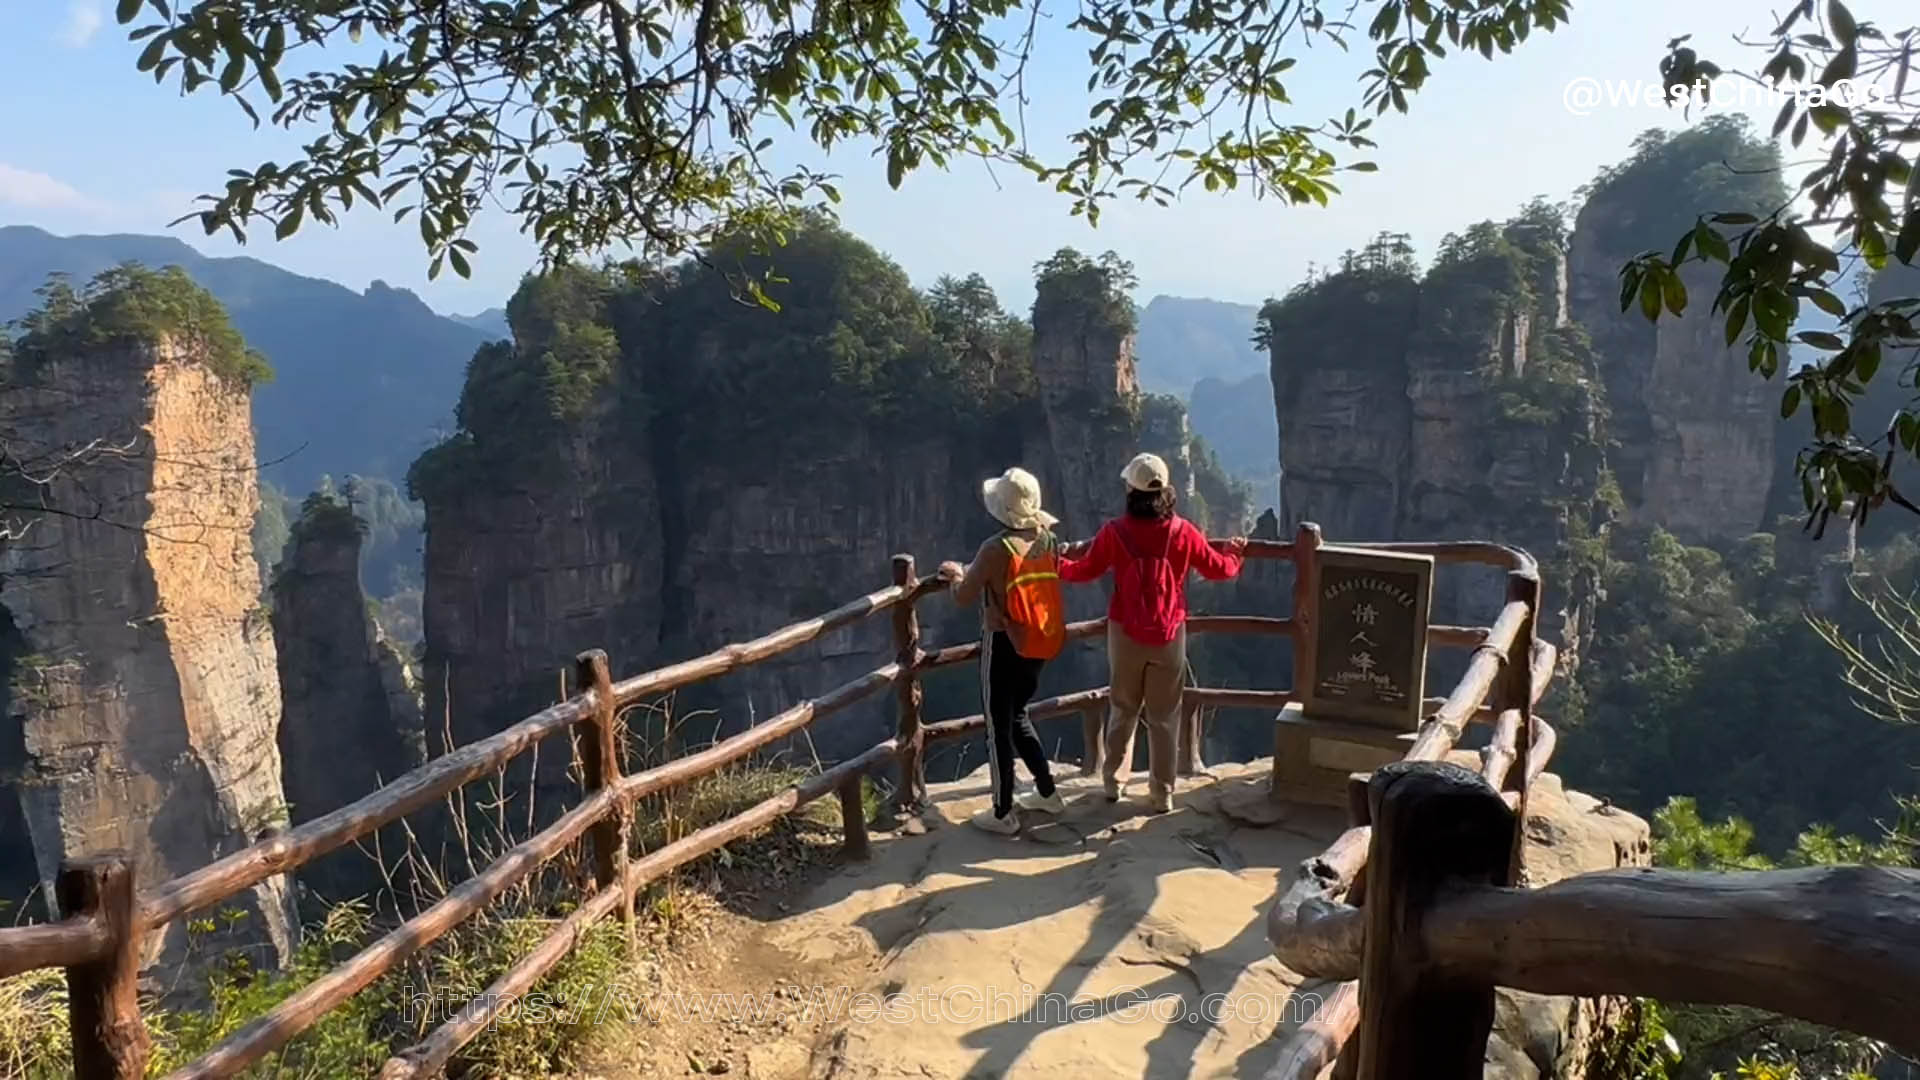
(1150, 678)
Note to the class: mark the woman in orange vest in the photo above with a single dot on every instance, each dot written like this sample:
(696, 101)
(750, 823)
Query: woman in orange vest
(1015, 578)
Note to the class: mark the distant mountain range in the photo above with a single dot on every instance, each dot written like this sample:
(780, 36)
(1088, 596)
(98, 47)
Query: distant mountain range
(362, 383)
(1181, 341)
(491, 322)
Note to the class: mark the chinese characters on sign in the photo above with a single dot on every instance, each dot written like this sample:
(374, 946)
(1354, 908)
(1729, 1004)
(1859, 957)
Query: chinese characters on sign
(1371, 637)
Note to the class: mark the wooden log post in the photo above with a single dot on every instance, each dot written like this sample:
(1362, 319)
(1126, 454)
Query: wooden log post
(599, 759)
(1517, 694)
(1304, 621)
(599, 744)
(906, 647)
(853, 817)
(1436, 826)
(103, 995)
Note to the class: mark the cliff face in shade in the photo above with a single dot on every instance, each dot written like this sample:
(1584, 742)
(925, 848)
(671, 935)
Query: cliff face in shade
(142, 671)
(1341, 401)
(1458, 404)
(1695, 428)
(526, 572)
(1692, 429)
(350, 716)
(1084, 364)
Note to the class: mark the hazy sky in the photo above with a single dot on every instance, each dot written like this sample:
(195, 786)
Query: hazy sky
(89, 145)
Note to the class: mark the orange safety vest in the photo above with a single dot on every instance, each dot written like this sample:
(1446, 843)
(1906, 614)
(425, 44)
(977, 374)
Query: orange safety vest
(1035, 609)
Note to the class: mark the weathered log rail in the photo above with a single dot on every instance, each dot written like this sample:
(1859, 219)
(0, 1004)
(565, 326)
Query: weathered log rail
(1464, 933)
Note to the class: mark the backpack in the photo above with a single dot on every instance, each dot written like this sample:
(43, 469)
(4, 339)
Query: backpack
(1147, 590)
(1035, 610)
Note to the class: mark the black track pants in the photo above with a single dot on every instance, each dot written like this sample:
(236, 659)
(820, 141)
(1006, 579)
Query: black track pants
(1007, 682)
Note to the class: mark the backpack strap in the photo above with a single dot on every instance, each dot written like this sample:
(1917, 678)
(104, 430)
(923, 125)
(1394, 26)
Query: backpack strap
(1043, 539)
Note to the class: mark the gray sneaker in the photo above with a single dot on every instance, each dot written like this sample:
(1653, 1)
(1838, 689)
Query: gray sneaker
(1005, 826)
(1044, 804)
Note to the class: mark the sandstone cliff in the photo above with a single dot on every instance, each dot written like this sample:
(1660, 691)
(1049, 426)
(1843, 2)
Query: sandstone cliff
(350, 712)
(141, 670)
(1454, 404)
(730, 470)
(1083, 360)
(1504, 395)
(1693, 429)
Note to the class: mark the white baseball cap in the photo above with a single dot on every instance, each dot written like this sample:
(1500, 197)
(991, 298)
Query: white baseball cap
(1146, 472)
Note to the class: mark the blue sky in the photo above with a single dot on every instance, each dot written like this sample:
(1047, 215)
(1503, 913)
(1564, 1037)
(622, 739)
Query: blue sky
(90, 145)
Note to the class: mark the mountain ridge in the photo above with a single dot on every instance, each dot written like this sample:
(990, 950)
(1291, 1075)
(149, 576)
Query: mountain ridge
(362, 379)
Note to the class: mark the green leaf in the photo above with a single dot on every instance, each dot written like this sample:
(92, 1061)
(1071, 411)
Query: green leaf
(1820, 339)
(1711, 243)
(1842, 22)
(1830, 417)
(459, 262)
(150, 56)
(1908, 427)
(125, 11)
(1827, 302)
(1674, 292)
(1736, 320)
(1866, 361)
(1907, 244)
(290, 222)
(1680, 248)
(1790, 402)
(1630, 277)
(1781, 121)
(1650, 291)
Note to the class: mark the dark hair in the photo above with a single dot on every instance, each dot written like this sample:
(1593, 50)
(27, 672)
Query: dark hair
(1151, 505)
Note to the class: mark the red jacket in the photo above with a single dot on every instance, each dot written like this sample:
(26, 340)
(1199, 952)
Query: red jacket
(1186, 549)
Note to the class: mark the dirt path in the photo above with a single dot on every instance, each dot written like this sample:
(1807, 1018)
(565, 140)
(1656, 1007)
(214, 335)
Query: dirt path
(874, 969)
(1110, 942)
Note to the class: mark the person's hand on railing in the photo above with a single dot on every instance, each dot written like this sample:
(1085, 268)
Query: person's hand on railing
(1234, 545)
(950, 572)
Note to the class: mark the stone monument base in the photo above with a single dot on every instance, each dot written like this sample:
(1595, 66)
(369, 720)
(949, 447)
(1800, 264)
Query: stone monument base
(1313, 757)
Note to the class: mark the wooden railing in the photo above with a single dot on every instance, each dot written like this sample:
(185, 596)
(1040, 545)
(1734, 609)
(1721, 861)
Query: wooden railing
(1317, 926)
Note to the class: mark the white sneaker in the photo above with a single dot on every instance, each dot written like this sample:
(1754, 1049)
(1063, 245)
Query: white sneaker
(1160, 801)
(1044, 804)
(1005, 826)
(1115, 789)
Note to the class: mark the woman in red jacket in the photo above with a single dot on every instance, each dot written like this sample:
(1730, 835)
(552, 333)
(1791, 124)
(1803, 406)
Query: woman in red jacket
(1150, 549)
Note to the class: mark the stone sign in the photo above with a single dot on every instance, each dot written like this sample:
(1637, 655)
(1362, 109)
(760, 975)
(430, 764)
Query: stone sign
(1370, 638)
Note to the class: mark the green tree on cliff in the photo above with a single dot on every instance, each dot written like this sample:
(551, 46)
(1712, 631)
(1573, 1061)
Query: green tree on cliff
(121, 307)
(1858, 203)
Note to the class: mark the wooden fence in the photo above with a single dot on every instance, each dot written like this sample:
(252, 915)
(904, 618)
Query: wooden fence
(1420, 964)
